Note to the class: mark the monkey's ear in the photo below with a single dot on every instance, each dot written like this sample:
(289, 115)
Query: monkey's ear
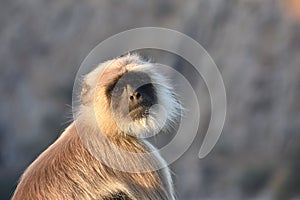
(86, 95)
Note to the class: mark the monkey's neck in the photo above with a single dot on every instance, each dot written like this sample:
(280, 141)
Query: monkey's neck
(91, 133)
(87, 121)
(122, 152)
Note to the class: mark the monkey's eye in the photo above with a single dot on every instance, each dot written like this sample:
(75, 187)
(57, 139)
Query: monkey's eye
(117, 91)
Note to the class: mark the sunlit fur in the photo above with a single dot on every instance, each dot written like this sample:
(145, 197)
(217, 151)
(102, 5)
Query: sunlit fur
(68, 170)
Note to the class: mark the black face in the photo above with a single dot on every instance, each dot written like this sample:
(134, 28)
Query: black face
(132, 95)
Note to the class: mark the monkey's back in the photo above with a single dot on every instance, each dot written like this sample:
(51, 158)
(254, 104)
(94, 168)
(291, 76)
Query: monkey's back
(66, 170)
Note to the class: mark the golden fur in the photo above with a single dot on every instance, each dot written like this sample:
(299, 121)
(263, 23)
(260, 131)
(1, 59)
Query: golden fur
(68, 169)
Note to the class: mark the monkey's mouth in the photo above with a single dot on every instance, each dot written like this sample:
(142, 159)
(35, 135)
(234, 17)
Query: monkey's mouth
(139, 112)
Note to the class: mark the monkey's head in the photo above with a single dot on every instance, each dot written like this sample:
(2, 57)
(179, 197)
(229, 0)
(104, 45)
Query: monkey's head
(129, 96)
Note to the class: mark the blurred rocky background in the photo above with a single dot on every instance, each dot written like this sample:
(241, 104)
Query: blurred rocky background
(255, 44)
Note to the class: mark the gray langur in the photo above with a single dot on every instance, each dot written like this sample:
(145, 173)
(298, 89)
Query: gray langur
(116, 100)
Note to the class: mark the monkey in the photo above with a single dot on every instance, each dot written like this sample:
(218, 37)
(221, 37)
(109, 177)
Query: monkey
(115, 112)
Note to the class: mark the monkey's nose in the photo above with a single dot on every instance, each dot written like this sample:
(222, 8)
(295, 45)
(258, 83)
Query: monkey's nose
(134, 94)
(143, 96)
(136, 97)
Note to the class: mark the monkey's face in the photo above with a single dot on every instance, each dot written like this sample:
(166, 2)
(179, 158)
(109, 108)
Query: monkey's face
(132, 99)
(132, 96)
(129, 96)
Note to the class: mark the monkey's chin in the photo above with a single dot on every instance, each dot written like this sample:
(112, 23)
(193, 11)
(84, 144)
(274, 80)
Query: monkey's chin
(142, 122)
(139, 113)
(143, 127)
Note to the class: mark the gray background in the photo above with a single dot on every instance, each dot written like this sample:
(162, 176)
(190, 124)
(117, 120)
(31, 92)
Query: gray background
(255, 43)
